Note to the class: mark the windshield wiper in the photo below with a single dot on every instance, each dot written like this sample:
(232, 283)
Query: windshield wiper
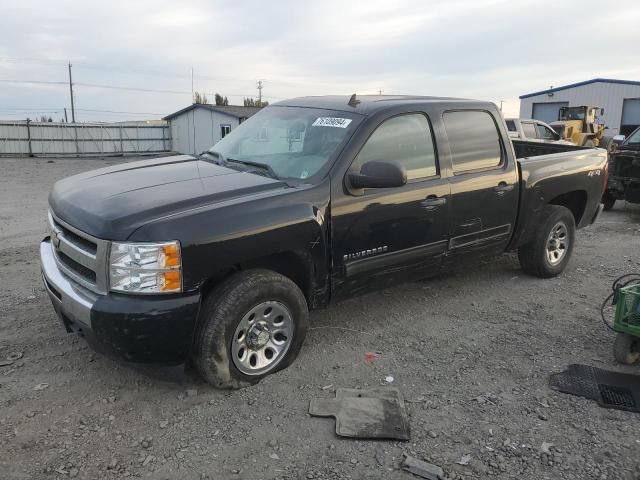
(222, 161)
(263, 166)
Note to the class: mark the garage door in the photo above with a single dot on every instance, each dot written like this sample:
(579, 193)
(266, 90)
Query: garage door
(630, 116)
(547, 112)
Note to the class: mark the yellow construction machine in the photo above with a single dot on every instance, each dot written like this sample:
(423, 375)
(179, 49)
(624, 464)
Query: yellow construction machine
(581, 125)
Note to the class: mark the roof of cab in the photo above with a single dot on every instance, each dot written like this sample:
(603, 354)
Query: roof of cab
(368, 104)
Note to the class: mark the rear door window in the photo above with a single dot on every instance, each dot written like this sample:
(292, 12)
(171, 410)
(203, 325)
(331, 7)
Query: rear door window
(545, 132)
(473, 139)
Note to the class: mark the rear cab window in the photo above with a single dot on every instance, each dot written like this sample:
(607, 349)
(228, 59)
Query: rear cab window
(511, 126)
(406, 139)
(474, 140)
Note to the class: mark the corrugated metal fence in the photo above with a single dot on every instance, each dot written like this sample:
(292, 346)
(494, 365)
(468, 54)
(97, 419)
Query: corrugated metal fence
(70, 139)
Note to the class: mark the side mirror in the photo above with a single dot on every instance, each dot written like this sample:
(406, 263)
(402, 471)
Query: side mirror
(378, 175)
(619, 138)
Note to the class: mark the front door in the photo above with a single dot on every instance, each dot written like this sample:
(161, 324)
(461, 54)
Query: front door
(388, 235)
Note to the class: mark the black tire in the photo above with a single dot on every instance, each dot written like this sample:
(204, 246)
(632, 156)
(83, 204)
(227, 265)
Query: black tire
(223, 310)
(608, 200)
(533, 256)
(626, 349)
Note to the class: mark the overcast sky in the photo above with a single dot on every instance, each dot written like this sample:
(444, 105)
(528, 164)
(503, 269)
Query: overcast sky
(486, 49)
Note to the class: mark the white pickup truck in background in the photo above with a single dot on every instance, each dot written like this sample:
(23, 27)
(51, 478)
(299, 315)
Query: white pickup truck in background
(533, 131)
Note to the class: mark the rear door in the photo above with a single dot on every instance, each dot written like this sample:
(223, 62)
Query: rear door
(387, 235)
(484, 184)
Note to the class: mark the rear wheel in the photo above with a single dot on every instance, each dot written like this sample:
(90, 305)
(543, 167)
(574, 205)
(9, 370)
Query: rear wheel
(549, 252)
(608, 200)
(626, 349)
(252, 325)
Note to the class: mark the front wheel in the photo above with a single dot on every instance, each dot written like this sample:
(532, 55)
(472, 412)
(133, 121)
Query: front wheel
(549, 252)
(252, 325)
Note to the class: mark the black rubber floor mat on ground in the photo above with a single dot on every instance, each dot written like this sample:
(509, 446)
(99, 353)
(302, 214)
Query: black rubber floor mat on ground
(374, 413)
(609, 389)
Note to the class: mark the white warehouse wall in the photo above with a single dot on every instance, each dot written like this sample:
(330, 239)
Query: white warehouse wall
(609, 96)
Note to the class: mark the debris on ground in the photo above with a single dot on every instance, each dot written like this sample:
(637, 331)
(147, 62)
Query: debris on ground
(13, 356)
(546, 447)
(389, 379)
(374, 413)
(422, 468)
(464, 460)
(41, 386)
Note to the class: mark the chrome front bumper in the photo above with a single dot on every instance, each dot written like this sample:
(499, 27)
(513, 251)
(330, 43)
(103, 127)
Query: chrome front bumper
(69, 298)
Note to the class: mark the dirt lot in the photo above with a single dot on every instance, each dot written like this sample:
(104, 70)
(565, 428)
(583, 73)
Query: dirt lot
(470, 351)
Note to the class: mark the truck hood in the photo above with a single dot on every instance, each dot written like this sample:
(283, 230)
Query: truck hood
(111, 203)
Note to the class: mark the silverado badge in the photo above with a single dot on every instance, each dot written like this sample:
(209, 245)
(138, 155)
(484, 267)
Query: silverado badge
(364, 253)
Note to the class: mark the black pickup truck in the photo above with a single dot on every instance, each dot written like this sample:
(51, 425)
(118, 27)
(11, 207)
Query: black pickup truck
(216, 259)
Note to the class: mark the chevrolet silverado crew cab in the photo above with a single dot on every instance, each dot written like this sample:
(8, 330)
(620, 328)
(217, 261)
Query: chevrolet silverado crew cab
(215, 260)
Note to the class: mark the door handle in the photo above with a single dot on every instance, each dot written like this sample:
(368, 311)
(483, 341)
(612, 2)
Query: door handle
(502, 188)
(432, 202)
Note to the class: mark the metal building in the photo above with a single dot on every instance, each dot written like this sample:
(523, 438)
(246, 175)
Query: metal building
(620, 100)
(197, 127)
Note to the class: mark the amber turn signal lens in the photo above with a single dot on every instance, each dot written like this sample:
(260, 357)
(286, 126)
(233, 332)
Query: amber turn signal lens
(171, 256)
(171, 281)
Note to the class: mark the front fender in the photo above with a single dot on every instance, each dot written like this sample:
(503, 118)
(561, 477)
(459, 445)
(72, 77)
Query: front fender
(218, 238)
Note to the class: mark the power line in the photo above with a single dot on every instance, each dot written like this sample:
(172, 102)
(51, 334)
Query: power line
(119, 87)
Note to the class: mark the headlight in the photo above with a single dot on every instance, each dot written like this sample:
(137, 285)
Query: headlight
(145, 267)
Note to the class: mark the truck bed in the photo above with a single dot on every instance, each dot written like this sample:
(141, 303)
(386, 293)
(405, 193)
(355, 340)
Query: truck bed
(557, 174)
(526, 149)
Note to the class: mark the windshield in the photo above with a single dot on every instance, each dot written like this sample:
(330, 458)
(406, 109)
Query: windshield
(634, 138)
(572, 113)
(293, 142)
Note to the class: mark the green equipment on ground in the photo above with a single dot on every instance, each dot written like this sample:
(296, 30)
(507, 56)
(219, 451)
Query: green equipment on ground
(625, 298)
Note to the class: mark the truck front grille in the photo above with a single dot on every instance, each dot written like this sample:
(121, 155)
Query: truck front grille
(80, 256)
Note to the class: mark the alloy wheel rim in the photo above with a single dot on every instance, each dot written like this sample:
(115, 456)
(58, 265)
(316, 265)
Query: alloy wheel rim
(262, 338)
(557, 243)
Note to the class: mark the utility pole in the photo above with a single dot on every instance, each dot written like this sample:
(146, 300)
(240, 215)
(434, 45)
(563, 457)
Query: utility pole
(501, 101)
(380, 92)
(192, 99)
(73, 110)
(260, 93)
(66, 120)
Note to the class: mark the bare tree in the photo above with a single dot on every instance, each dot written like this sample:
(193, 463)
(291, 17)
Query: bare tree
(200, 98)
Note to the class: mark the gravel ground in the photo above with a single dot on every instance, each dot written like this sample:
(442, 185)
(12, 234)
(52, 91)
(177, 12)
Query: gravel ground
(471, 352)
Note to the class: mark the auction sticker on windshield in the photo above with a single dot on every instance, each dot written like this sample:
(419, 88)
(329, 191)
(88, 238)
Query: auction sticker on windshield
(332, 122)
